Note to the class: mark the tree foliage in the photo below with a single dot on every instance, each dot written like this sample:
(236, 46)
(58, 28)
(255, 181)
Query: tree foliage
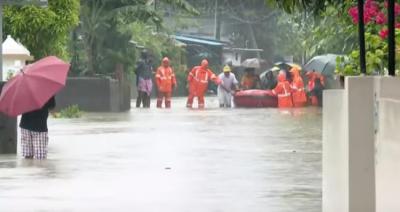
(311, 27)
(106, 38)
(311, 35)
(376, 35)
(246, 24)
(44, 31)
(315, 6)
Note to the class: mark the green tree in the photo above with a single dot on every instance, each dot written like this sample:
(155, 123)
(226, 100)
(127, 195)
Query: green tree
(315, 6)
(44, 31)
(247, 24)
(103, 29)
(311, 35)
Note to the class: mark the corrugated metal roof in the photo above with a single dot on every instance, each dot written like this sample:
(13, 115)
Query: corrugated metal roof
(198, 40)
(244, 49)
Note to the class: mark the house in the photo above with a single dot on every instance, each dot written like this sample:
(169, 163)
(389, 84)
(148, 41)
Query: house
(198, 48)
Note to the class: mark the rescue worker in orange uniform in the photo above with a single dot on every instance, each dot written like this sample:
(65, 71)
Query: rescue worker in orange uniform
(298, 93)
(250, 80)
(283, 91)
(198, 83)
(166, 82)
(315, 86)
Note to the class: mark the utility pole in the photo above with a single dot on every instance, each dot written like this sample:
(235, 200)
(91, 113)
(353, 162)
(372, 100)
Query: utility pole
(42, 3)
(217, 21)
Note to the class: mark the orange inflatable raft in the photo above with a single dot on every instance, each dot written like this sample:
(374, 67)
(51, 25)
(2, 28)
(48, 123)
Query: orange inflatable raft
(255, 98)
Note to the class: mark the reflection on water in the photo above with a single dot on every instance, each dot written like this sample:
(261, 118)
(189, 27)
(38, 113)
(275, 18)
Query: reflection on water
(173, 160)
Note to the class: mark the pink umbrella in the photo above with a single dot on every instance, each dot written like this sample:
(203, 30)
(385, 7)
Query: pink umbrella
(33, 86)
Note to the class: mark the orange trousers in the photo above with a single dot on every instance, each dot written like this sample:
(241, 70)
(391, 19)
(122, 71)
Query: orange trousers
(161, 97)
(200, 98)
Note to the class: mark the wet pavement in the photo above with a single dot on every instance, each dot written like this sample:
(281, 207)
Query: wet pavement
(178, 160)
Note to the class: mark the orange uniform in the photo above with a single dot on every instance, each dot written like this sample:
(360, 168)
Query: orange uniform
(283, 91)
(166, 81)
(198, 83)
(250, 82)
(297, 86)
(312, 77)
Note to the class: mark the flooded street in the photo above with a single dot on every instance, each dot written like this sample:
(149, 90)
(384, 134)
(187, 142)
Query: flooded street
(178, 160)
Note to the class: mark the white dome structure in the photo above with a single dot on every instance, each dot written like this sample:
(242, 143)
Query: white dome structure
(15, 56)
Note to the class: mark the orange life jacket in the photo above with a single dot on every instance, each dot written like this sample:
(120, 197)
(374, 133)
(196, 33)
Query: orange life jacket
(249, 81)
(297, 86)
(198, 80)
(165, 79)
(313, 76)
(283, 91)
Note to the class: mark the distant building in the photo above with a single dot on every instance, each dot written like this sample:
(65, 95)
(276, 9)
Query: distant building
(198, 48)
(238, 55)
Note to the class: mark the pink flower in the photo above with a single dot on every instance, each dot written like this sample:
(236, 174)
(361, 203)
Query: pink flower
(384, 33)
(397, 26)
(353, 12)
(367, 19)
(381, 18)
(396, 9)
(371, 10)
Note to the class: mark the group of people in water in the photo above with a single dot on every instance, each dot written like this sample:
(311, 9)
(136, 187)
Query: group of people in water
(292, 92)
(288, 85)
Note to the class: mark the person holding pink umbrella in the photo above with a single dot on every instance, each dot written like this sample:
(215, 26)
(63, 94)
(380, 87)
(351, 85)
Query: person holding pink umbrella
(31, 93)
(34, 131)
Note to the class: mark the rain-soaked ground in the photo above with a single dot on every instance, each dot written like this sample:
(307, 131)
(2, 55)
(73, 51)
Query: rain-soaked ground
(178, 160)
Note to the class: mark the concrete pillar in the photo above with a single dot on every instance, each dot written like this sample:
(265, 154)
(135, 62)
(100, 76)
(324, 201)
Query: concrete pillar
(387, 157)
(360, 99)
(388, 145)
(8, 132)
(8, 135)
(349, 147)
(335, 169)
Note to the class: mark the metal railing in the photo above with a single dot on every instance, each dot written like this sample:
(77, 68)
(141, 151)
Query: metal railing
(391, 37)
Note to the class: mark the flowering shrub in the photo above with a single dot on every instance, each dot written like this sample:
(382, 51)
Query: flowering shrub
(376, 33)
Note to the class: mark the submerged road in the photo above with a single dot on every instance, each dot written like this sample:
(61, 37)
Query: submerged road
(178, 160)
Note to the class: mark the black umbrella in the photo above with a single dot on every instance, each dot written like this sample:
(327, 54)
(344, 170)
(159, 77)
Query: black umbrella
(269, 83)
(324, 64)
(287, 65)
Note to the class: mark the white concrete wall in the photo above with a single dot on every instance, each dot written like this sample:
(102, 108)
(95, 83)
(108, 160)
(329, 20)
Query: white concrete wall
(13, 65)
(349, 147)
(388, 145)
(361, 140)
(361, 146)
(388, 87)
(388, 157)
(335, 177)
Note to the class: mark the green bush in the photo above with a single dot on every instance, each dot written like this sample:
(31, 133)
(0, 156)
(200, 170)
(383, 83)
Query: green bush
(72, 111)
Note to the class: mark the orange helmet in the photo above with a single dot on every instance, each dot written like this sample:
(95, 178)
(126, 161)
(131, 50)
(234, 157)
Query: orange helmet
(165, 61)
(281, 76)
(204, 64)
(295, 72)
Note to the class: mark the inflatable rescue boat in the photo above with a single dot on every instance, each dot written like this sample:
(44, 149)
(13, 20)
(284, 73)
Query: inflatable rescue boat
(255, 98)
